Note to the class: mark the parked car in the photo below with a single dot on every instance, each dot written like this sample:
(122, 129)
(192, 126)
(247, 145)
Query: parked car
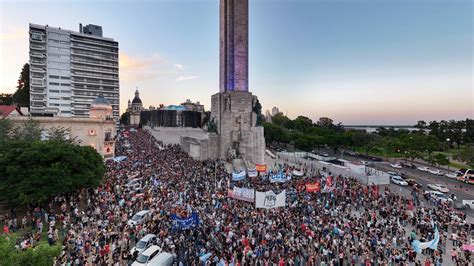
(144, 243)
(413, 183)
(469, 204)
(139, 217)
(398, 180)
(147, 255)
(423, 168)
(437, 196)
(396, 165)
(438, 187)
(451, 175)
(435, 172)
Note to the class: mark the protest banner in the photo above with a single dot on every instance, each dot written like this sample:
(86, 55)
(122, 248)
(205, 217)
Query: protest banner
(269, 199)
(245, 194)
(184, 223)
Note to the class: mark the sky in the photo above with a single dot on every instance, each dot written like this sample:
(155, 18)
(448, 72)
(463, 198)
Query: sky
(379, 62)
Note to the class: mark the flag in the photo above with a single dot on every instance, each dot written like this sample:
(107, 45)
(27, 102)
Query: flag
(433, 244)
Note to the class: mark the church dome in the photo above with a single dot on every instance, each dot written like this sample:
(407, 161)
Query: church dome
(137, 100)
(101, 102)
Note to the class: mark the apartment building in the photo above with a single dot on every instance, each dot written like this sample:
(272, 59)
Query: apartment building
(69, 69)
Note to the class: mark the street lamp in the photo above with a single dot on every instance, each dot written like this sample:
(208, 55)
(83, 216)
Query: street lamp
(448, 140)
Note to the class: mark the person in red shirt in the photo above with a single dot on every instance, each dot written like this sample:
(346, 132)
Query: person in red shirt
(6, 230)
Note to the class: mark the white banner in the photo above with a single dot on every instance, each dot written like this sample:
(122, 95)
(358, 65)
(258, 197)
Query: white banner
(269, 199)
(245, 194)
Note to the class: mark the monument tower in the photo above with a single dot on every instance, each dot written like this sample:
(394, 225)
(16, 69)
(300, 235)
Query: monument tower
(233, 108)
(233, 132)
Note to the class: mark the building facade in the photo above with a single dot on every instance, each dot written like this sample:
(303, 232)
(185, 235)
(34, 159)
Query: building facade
(69, 69)
(97, 130)
(134, 109)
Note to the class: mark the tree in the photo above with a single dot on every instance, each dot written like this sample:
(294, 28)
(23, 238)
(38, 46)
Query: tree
(6, 127)
(42, 254)
(441, 159)
(32, 172)
(467, 154)
(421, 125)
(62, 134)
(6, 99)
(30, 130)
(365, 140)
(325, 122)
(22, 94)
(282, 120)
(302, 123)
(125, 119)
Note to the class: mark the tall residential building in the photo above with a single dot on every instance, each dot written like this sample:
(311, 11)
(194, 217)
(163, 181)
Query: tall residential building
(68, 70)
(275, 111)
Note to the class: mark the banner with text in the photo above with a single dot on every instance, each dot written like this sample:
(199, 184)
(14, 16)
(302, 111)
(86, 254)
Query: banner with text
(315, 187)
(269, 200)
(245, 194)
(185, 223)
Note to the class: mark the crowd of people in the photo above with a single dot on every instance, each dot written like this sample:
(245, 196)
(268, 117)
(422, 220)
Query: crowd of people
(351, 224)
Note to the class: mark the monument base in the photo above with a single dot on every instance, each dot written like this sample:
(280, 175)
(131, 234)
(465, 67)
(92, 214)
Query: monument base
(233, 130)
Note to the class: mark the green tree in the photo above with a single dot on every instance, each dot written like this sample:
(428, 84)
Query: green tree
(29, 130)
(302, 123)
(281, 120)
(32, 172)
(62, 134)
(42, 254)
(125, 119)
(467, 154)
(365, 140)
(441, 159)
(6, 127)
(325, 122)
(22, 94)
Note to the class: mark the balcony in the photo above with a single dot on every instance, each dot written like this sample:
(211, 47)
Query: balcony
(37, 40)
(37, 55)
(38, 47)
(38, 62)
(37, 70)
(94, 49)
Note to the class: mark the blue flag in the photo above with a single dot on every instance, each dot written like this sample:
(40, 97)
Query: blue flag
(184, 223)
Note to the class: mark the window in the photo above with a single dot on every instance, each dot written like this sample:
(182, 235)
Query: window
(54, 83)
(65, 78)
(65, 84)
(53, 77)
(66, 98)
(54, 91)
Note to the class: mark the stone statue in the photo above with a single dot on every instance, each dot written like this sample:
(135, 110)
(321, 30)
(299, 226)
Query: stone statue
(212, 127)
(227, 103)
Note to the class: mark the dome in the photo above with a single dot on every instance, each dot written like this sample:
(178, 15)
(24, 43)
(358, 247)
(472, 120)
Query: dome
(137, 100)
(101, 102)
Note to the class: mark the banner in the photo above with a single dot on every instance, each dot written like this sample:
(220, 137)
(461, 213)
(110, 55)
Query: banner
(279, 177)
(433, 244)
(261, 168)
(269, 199)
(328, 189)
(315, 187)
(184, 223)
(120, 158)
(252, 173)
(298, 173)
(238, 176)
(245, 194)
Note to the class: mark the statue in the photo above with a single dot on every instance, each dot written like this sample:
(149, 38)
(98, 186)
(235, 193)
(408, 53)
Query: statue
(227, 103)
(212, 127)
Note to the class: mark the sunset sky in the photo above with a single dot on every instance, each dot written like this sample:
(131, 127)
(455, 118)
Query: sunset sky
(356, 61)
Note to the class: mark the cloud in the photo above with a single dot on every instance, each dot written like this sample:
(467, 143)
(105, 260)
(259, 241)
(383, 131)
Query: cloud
(129, 62)
(179, 66)
(182, 78)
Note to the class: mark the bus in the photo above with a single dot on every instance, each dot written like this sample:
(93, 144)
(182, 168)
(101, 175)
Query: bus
(467, 177)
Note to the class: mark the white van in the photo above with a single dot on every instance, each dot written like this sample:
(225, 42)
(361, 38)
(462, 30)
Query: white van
(163, 259)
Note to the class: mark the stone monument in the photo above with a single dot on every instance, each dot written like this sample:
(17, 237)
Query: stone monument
(232, 109)
(233, 129)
